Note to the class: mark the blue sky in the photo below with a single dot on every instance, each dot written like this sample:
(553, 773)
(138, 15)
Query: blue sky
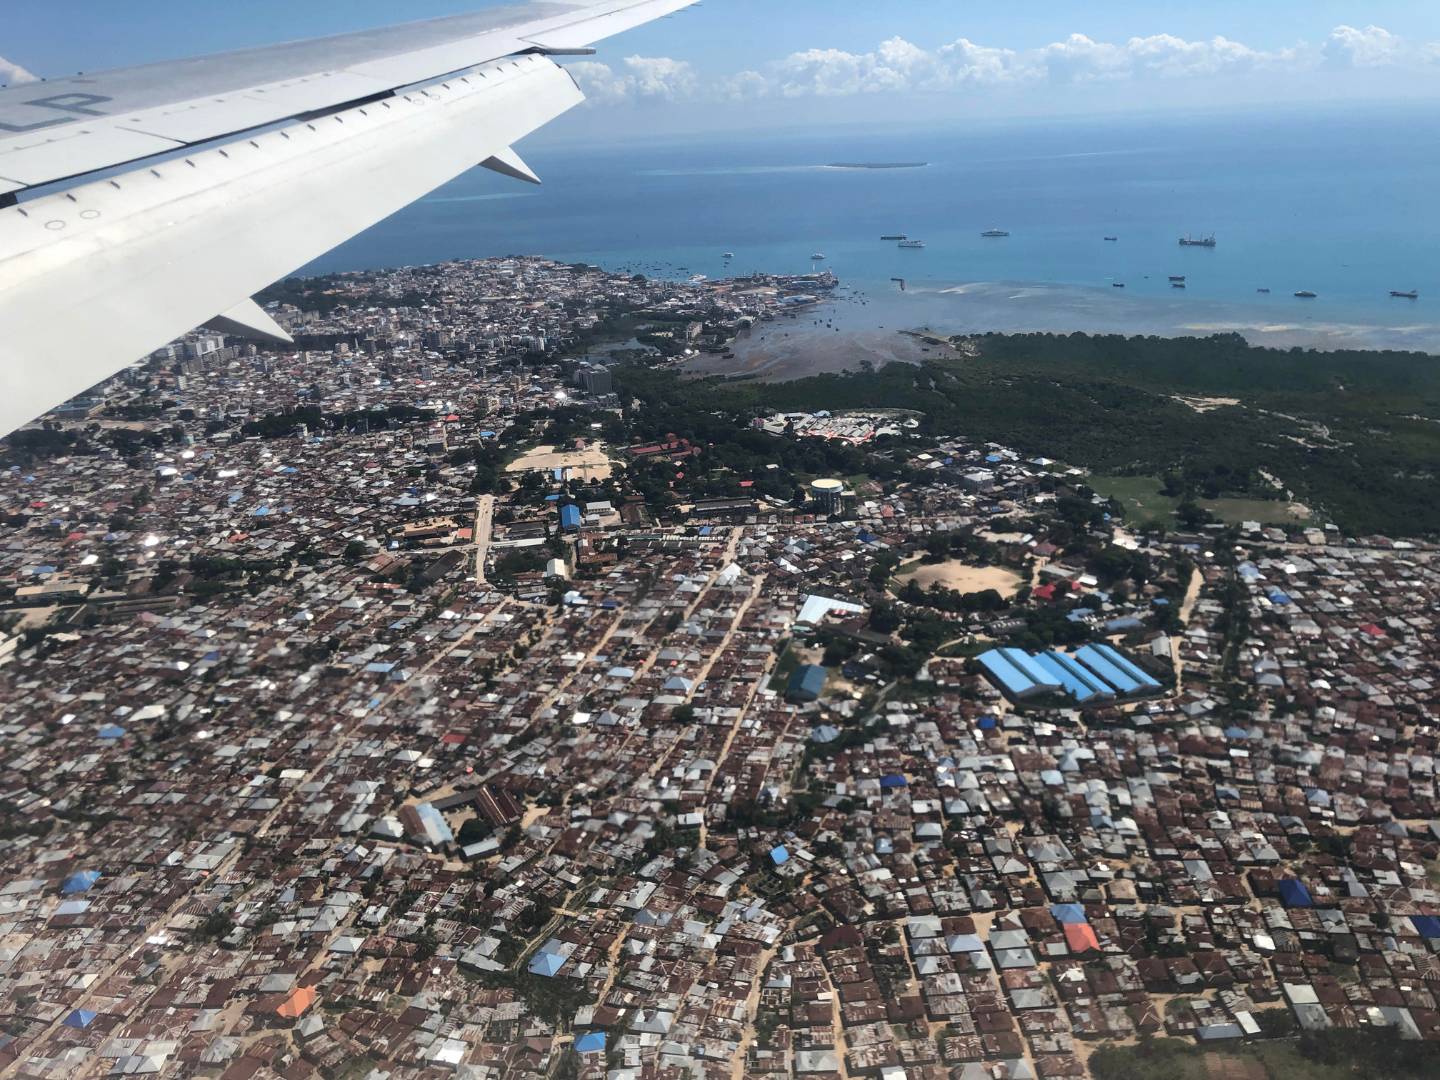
(777, 63)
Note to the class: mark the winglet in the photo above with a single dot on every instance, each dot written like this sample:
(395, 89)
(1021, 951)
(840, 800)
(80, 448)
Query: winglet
(509, 163)
(247, 319)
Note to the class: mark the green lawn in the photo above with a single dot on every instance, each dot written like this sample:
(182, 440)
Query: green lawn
(1283, 1061)
(1140, 495)
(1144, 504)
(1265, 511)
(784, 668)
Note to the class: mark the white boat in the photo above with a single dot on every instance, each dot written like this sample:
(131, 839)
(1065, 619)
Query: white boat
(818, 257)
(912, 244)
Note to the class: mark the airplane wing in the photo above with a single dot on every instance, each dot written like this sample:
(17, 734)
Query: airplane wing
(136, 205)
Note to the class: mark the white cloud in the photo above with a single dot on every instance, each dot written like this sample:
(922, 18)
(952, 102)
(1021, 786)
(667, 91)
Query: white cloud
(662, 77)
(963, 62)
(646, 77)
(745, 86)
(1373, 46)
(12, 74)
(898, 65)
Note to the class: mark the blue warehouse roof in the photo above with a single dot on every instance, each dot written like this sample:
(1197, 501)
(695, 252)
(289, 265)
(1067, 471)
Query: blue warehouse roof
(1097, 662)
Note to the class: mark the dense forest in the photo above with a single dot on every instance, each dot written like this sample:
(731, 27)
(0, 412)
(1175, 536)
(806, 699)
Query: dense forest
(1354, 434)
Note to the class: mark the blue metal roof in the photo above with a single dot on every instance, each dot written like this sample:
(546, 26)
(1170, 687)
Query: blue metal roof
(1294, 894)
(1427, 926)
(547, 964)
(1125, 664)
(1069, 913)
(779, 856)
(807, 682)
(1067, 681)
(1035, 672)
(1100, 665)
(591, 1043)
(79, 882)
(1011, 678)
(1082, 674)
(893, 781)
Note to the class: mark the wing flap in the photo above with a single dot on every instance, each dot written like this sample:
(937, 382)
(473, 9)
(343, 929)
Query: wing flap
(85, 149)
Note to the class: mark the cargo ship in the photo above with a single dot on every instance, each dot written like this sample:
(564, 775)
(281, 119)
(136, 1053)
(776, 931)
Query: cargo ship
(1177, 277)
(1203, 241)
(897, 236)
(912, 245)
(1401, 294)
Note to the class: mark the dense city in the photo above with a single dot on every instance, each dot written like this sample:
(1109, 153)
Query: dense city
(416, 701)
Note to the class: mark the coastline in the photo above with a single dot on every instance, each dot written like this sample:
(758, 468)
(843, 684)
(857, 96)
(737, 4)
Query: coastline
(868, 323)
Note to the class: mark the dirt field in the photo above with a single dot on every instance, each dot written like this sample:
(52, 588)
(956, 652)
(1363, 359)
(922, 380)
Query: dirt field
(964, 578)
(592, 464)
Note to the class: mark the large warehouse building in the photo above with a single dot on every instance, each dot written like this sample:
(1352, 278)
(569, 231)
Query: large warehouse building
(1093, 675)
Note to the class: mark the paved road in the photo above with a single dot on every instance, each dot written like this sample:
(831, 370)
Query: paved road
(484, 526)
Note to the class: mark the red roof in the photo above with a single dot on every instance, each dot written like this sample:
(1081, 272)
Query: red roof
(1372, 630)
(1081, 938)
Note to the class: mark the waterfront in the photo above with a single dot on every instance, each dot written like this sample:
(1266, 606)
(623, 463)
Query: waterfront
(1290, 198)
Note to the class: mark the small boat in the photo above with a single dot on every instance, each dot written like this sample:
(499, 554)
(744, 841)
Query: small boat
(1112, 239)
(912, 245)
(818, 257)
(1400, 294)
(1306, 294)
(994, 233)
(728, 255)
(1117, 284)
(1204, 241)
(1265, 291)
(1177, 277)
(1177, 285)
(897, 236)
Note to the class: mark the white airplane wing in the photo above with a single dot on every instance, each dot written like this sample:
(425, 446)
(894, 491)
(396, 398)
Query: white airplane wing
(136, 205)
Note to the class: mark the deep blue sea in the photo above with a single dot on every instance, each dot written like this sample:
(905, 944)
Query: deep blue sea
(1342, 203)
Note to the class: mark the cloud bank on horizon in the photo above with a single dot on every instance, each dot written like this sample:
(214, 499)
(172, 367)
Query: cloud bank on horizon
(900, 66)
(12, 74)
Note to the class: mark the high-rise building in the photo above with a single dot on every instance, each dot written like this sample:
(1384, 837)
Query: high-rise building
(595, 380)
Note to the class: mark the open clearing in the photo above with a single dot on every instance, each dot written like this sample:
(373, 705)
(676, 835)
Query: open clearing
(1144, 504)
(962, 577)
(591, 464)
